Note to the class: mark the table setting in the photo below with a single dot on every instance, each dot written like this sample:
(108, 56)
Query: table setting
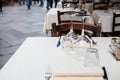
(115, 48)
(71, 39)
(30, 60)
(79, 48)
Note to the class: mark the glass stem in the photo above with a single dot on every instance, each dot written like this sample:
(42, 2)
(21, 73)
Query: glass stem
(83, 27)
(71, 28)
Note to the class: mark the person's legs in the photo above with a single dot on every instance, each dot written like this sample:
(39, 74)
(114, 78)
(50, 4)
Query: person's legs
(19, 2)
(55, 1)
(37, 1)
(23, 1)
(29, 3)
(48, 4)
(41, 3)
(51, 3)
(1, 6)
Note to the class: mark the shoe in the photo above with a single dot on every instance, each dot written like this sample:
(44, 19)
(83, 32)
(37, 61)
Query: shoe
(47, 8)
(1, 10)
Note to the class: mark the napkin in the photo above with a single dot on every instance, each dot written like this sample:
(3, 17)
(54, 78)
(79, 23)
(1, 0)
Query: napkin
(82, 72)
(72, 64)
(76, 78)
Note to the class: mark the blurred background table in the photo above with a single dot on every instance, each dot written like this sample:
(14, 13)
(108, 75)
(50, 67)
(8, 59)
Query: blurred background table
(51, 17)
(105, 17)
(88, 6)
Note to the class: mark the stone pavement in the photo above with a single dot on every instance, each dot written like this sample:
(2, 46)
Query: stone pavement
(16, 24)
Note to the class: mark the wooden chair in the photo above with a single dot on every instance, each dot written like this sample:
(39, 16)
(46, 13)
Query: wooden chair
(60, 14)
(89, 1)
(62, 29)
(116, 5)
(102, 5)
(115, 24)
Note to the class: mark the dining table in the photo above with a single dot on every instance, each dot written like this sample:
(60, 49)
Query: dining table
(51, 17)
(105, 17)
(39, 54)
(88, 6)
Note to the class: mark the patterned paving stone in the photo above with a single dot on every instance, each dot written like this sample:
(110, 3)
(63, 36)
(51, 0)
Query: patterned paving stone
(4, 59)
(6, 36)
(16, 24)
(8, 50)
(16, 42)
(3, 44)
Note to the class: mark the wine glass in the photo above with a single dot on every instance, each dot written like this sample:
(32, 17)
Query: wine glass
(83, 40)
(71, 33)
(71, 37)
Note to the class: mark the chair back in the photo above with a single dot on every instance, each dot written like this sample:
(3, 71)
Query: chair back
(116, 24)
(63, 29)
(115, 5)
(101, 5)
(65, 17)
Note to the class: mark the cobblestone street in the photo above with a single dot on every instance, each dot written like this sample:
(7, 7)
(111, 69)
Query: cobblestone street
(16, 24)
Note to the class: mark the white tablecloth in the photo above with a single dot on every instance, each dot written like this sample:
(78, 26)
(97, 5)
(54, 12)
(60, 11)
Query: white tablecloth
(51, 17)
(30, 60)
(105, 18)
(88, 6)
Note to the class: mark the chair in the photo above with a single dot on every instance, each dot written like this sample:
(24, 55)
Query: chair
(62, 15)
(89, 1)
(62, 29)
(101, 5)
(115, 25)
(115, 4)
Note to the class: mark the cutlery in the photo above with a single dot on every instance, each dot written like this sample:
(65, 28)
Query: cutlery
(58, 43)
(48, 73)
(105, 73)
(91, 38)
(113, 53)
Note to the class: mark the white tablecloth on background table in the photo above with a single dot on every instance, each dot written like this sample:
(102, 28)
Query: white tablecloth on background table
(88, 6)
(105, 18)
(51, 17)
(30, 60)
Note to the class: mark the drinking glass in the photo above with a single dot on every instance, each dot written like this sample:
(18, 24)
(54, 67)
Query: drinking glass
(92, 58)
(114, 45)
(113, 41)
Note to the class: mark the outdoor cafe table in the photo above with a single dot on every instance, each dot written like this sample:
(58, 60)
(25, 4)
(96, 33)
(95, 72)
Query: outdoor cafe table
(28, 62)
(51, 17)
(88, 6)
(105, 18)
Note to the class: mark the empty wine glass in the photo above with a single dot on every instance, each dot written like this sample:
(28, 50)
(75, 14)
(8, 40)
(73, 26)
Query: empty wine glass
(71, 33)
(83, 40)
(70, 38)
